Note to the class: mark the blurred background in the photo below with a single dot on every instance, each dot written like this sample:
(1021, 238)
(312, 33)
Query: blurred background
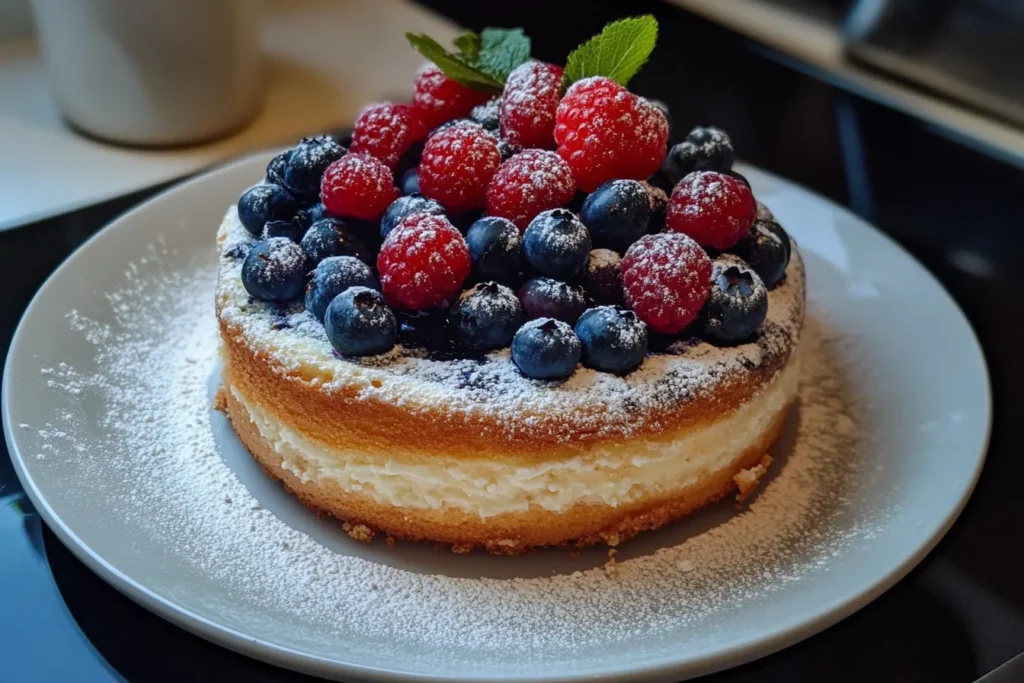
(909, 112)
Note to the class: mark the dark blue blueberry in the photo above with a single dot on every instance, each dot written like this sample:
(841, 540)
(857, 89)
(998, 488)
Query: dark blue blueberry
(738, 176)
(333, 276)
(265, 202)
(431, 330)
(617, 214)
(332, 237)
(557, 243)
(613, 339)
(542, 297)
(359, 323)
(274, 270)
(307, 163)
(602, 278)
(407, 206)
(275, 169)
(496, 249)
(737, 302)
(410, 183)
(409, 160)
(661, 180)
(704, 149)
(508, 149)
(487, 114)
(310, 215)
(287, 229)
(546, 349)
(487, 316)
(344, 137)
(766, 249)
(239, 251)
(463, 221)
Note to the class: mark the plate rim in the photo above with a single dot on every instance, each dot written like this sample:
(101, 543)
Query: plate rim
(663, 668)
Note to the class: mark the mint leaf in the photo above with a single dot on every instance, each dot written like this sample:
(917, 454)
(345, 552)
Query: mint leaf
(455, 67)
(502, 50)
(617, 52)
(468, 45)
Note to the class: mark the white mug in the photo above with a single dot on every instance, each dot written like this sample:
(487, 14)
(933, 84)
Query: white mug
(153, 73)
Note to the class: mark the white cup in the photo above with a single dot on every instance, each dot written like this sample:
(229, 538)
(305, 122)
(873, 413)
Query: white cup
(153, 72)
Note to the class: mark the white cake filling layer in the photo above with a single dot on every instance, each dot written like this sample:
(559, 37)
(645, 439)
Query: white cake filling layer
(488, 486)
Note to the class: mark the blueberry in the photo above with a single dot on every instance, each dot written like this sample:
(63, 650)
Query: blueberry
(557, 243)
(431, 330)
(409, 160)
(738, 176)
(307, 163)
(333, 276)
(613, 339)
(359, 323)
(546, 349)
(331, 237)
(508, 149)
(462, 221)
(410, 183)
(542, 297)
(737, 303)
(602, 278)
(487, 316)
(407, 206)
(344, 137)
(496, 249)
(617, 214)
(659, 207)
(487, 114)
(661, 180)
(262, 203)
(309, 215)
(766, 248)
(704, 149)
(276, 167)
(274, 270)
(288, 229)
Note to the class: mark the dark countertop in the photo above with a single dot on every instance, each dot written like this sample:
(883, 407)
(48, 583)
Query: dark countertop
(957, 616)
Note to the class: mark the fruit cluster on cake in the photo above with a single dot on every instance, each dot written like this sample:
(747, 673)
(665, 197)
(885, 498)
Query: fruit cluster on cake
(508, 314)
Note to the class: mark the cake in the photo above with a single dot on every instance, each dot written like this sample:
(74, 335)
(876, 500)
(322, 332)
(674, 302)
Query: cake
(549, 374)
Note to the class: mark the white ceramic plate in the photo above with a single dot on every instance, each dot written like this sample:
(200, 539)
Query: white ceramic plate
(106, 413)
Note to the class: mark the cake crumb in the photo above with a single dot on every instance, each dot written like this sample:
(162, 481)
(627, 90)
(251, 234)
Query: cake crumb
(390, 540)
(462, 548)
(748, 479)
(359, 532)
(220, 400)
(611, 566)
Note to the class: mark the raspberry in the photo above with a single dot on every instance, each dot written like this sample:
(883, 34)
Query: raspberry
(667, 278)
(386, 131)
(713, 208)
(457, 164)
(357, 185)
(528, 105)
(423, 262)
(606, 132)
(438, 98)
(528, 183)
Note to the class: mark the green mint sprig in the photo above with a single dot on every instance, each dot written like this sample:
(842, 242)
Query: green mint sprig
(481, 61)
(617, 52)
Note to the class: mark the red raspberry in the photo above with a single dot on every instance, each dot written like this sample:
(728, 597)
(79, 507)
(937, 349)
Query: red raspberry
(713, 208)
(438, 98)
(667, 277)
(457, 164)
(528, 105)
(357, 185)
(606, 132)
(423, 262)
(387, 130)
(528, 183)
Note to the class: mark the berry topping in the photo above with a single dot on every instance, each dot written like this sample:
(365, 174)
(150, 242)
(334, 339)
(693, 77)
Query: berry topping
(546, 349)
(487, 316)
(613, 339)
(276, 168)
(333, 276)
(712, 208)
(528, 183)
(496, 249)
(602, 278)
(605, 132)
(386, 131)
(617, 214)
(486, 114)
(457, 165)
(737, 303)
(291, 230)
(358, 185)
(766, 248)
(438, 98)
(659, 206)
(704, 149)
(423, 262)
(666, 278)
(331, 237)
(359, 323)
(310, 215)
(262, 203)
(410, 182)
(543, 297)
(529, 103)
(763, 212)
(274, 270)
(407, 206)
(307, 163)
(431, 330)
(557, 243)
